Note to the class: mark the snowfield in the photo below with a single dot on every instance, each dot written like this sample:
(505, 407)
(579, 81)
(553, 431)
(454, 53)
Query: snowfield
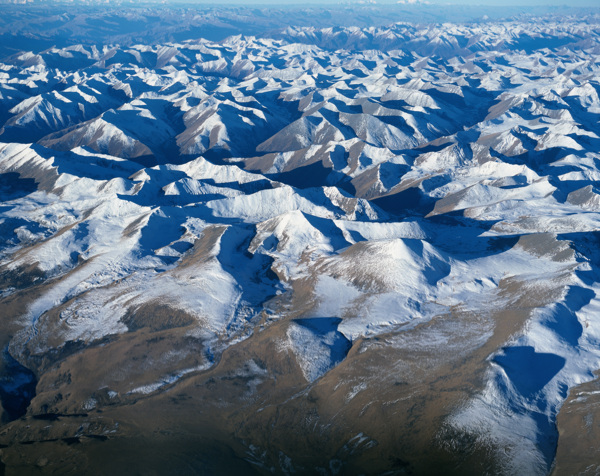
(355, 184)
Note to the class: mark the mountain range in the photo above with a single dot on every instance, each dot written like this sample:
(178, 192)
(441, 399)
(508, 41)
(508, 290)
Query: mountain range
(311, 250)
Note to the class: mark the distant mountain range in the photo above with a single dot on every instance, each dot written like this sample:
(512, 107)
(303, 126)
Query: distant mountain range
(38, 26)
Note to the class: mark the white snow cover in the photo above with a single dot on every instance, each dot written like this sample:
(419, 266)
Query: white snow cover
(405, 174)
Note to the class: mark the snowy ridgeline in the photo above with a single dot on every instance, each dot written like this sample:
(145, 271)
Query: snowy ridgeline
(384, 186)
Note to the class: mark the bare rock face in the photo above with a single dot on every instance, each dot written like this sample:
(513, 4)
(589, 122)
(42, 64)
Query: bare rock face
(348, 250)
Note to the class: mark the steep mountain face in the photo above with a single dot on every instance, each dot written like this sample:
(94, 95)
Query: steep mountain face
(327, 251)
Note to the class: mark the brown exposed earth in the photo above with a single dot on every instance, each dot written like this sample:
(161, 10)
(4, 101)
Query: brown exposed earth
(381, 411)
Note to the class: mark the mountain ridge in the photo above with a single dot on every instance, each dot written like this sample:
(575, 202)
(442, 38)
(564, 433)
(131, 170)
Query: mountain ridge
(360, 233)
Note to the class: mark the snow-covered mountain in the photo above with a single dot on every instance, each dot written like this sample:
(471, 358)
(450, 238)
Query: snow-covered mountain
(349, 250)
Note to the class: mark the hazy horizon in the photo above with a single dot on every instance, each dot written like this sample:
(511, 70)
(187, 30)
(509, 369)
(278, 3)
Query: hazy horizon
(325, 3)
